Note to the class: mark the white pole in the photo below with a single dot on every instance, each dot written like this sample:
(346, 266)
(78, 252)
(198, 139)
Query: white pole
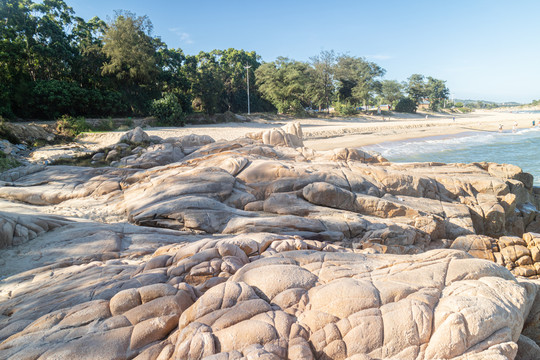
(247, 71)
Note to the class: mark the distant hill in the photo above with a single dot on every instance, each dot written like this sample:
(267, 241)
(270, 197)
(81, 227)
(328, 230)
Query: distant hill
(469, 101)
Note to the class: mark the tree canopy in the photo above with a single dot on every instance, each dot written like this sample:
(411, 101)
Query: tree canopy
(433, 90)
(283, 82)
(54, 63)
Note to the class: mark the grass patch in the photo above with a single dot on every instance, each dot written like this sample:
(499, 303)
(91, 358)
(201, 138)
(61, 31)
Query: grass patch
(83, 160)
(71, 126)
(7, 162)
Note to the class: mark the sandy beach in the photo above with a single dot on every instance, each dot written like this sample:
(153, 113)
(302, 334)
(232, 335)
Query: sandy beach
(327, 133)
(401, 127)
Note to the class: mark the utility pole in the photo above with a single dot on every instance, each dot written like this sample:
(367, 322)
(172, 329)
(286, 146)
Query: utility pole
(247, 71)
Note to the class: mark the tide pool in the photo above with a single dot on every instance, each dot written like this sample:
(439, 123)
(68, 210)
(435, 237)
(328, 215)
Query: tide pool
(521, 148)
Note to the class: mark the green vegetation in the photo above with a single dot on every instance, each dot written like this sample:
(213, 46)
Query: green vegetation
(434, 90)
(283, 82)
(168, 111)
(82, 160)
(357, 80)
(406, 105)
(53, 64)
(345, 109)
(481, 104)
(7, 162)
(71, 126)
(391, 92)
(104, 125)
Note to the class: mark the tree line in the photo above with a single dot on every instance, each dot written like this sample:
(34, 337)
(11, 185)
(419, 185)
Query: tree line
(54, 63)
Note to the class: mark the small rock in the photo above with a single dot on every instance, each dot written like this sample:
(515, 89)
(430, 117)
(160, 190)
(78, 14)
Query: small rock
(112, 155)
(98, 157)
(121, 146)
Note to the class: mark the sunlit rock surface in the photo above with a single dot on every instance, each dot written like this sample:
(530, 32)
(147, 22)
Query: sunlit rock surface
(261, 248)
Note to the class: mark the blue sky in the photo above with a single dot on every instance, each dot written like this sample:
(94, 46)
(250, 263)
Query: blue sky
(484, 49)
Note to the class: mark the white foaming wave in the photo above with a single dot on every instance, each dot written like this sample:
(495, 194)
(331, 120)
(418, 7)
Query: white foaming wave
(406, 148)
(430, 145)
(533, 130)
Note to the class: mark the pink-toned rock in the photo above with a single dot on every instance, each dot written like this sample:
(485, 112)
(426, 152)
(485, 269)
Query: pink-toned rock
(150, 330)
(163, 306)
(154, 291)
(124, 301)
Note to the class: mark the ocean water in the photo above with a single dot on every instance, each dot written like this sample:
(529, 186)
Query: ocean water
(521, 148)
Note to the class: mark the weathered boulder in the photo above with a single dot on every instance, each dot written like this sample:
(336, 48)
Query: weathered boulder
(155, 155)
(135, 136)
(261, 251)
(289, 135)
(16, 229)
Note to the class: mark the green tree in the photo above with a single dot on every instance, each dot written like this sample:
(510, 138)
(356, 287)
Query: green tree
(132, 59)
(33, 46)
(358, 79)
(90, 57)
(52, 53)
(283, 83)
(206, 79)
(436, 92)
(14, 26)
(407, 105)
(173, 77)
(391, 91)
(321, 80)
(232, 64)
(416, 88)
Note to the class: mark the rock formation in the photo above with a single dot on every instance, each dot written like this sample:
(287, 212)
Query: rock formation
(261, 248)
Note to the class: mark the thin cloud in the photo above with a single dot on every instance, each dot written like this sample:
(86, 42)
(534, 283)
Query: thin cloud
(184, 36)
(379, 57)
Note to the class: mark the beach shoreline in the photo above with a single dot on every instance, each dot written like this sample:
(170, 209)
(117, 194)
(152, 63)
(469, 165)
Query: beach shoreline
(418, 127)
(324, 134)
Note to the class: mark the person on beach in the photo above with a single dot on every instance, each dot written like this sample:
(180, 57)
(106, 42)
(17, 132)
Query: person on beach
(453, 118)
(500, 127)
(514, 128)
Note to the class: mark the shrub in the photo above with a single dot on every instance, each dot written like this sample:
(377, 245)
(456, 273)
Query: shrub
(71, 126)
(51, 98)
(7, 162)
(345, 109)
(105, 125)
(406, 105)
(168, 110)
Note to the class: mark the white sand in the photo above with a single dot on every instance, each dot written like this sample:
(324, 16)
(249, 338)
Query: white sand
(326, 134)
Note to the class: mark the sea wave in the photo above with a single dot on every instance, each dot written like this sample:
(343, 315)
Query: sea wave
(400, 150)
(519, 148)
